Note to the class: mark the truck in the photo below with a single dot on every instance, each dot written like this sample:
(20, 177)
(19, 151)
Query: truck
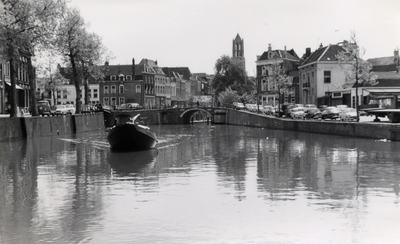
(383, 106)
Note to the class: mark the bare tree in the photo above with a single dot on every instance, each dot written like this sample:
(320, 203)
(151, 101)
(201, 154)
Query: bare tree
(358, 71)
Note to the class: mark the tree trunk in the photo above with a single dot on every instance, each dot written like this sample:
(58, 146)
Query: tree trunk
(87, 98)
(13, 93)
(76, 83)
(32, 88)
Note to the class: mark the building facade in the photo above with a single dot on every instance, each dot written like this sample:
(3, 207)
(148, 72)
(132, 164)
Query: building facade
(22, 85)
(289, 61)
(322, 80)
(120, 86)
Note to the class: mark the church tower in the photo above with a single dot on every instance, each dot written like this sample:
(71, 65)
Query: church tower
(238, 50)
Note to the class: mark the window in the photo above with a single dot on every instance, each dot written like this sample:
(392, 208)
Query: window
(337, 94)
(121, 89)
(138, 89)
(264, 84)
(106, 90)
(121, 100)
(95, 93)
(129, 77)
(292, 91)
(113, 77)
(113, 89)
(327, 76)
(106, 101)
(65, 95)
(113, 101)
(58, 94)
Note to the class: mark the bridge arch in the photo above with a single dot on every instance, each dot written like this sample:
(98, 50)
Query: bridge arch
(187, 114)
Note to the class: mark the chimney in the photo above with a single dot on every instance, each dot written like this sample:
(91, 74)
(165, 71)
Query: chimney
(396, 53)
(320, 46)
(133, 69)
(258, 57)
(269, 47)
(308, 52)
(156, 62)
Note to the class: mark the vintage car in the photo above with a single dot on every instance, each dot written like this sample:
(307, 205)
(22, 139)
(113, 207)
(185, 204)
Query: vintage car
(71, 108)
(313, 113)
(348, 114)
(238, 106)
(44, 108)
(331, 112)
(296, 113)
(61, 110)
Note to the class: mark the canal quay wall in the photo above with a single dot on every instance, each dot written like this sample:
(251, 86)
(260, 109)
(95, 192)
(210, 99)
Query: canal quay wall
(28, 127)
(374, 130)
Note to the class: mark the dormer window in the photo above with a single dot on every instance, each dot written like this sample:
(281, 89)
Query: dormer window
(113, 77)
(129, 77)
(121, 77)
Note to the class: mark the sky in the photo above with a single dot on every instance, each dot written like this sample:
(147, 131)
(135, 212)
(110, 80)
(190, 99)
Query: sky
(195, 33)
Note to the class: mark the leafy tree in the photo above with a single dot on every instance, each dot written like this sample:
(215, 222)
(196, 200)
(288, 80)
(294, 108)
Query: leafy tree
(279, 79)
(227, 97)
(249, 97)
(358, 71)
(230, 73)
(69, 42)
(91, 60)
(25, 27)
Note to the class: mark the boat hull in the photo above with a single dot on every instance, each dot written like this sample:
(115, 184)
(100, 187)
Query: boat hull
(131, 137)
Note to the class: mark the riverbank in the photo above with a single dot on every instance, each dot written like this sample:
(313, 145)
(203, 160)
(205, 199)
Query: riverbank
(366, 128)
(28, 126)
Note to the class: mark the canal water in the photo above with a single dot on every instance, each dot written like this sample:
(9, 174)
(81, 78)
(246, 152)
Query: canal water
(203, 184)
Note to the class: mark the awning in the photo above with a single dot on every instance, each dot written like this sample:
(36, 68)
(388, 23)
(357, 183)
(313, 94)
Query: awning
(383, 90)
(16, 86)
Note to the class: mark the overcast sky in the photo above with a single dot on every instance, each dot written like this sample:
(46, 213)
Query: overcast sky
(195, 33)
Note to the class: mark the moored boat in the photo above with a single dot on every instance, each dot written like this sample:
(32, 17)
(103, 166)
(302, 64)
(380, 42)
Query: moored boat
(131, 135)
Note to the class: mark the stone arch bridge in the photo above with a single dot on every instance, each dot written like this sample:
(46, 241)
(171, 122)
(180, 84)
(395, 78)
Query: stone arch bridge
(172, 115)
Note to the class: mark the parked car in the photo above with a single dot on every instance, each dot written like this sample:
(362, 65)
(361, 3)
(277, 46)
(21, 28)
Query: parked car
(310, 106)
(238, 106)
(341, 107)
(251, 107)
(61, 110)
(71, 108)
(348, 114)
(43, 107)
(286, 108)
(268, 110)
(129, 106)
(297, 113)
(313, 113)
(330, 113)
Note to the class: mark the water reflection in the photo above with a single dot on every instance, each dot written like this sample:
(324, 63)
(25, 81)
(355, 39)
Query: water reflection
(198, 180)
(128, 163)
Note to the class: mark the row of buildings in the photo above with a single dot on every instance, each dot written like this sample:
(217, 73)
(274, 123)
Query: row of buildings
(145, 83)
(317, 79)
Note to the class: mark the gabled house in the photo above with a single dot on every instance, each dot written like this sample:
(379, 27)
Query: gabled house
(289, 61)
(321, 78)
(121, 85)
(154, 81)
(180, 77)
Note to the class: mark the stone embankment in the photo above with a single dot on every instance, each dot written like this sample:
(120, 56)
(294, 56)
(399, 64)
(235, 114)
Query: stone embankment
(28, 127)
(374, 130)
